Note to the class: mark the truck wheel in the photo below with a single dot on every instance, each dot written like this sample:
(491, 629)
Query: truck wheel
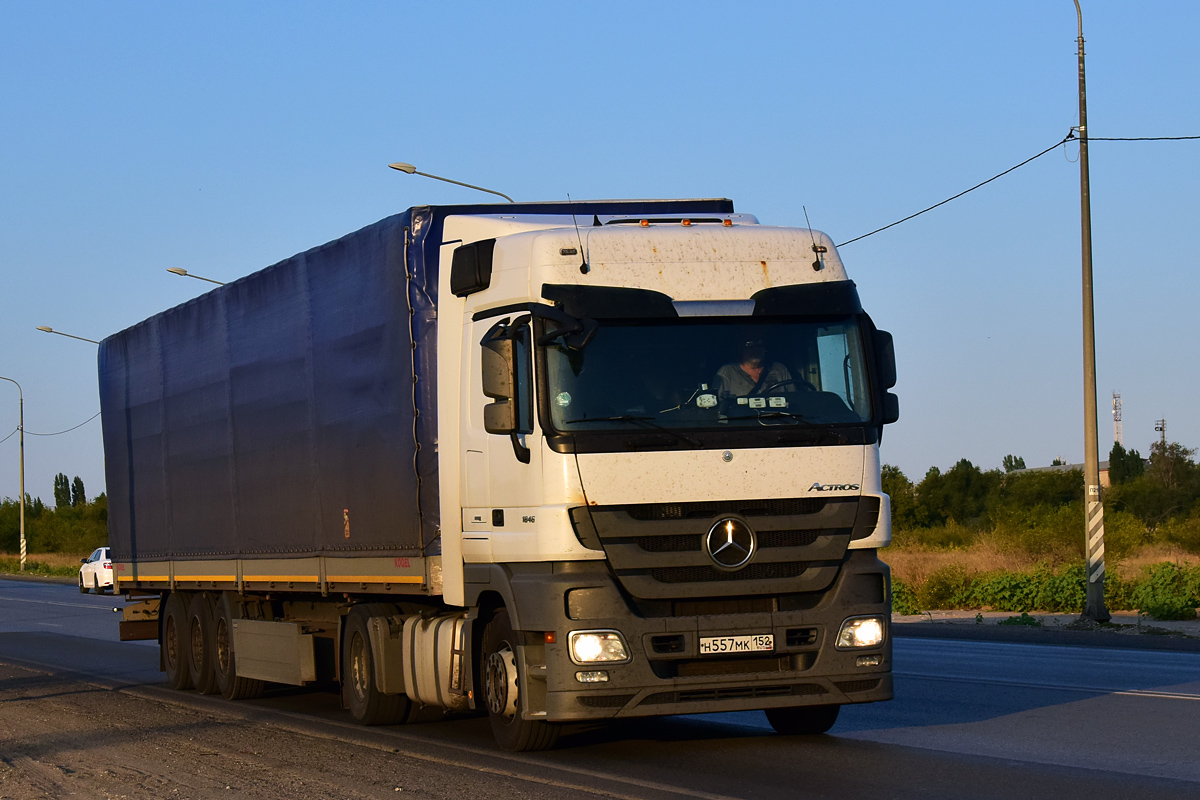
(498, 669)
(230, 684)
(367, 704)
(200, 645)
(802, 720)
(174, 642)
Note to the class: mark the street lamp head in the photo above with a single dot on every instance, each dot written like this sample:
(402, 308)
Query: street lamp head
(409, 168)
(45, 329)
(177, 271)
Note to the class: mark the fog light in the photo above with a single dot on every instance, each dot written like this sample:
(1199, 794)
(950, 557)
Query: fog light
(597, 676)
(589, 647)
(867, 661)
(861, 632)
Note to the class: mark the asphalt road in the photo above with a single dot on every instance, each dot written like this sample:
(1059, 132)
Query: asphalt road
(978, 719)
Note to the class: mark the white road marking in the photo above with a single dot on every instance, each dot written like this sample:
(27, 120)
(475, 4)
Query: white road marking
(1059, 686)
(55, 603)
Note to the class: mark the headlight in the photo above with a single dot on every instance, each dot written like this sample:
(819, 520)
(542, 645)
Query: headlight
(861, 632)
(590, 647)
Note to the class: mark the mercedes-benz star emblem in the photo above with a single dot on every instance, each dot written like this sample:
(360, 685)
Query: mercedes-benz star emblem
(730, 544)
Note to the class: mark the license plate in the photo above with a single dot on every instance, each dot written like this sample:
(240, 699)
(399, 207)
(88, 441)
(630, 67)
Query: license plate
(755, 643)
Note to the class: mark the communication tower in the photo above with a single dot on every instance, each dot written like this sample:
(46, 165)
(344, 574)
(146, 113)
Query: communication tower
(1160, 425)
(1118, 432)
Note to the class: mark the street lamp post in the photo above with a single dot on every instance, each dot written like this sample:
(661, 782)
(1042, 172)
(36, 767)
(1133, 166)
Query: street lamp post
(184, 273)
(21, 438)
(47, 329)
(1094, 607)
(411, 170)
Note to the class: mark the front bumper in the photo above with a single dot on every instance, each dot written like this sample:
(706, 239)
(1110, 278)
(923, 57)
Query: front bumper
(666, 673)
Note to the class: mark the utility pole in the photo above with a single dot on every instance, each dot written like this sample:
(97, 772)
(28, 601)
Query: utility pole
(1160, 427)
(1094, 608)
(21, 439)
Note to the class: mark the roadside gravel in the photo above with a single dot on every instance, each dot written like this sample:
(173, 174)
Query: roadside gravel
(60, 737)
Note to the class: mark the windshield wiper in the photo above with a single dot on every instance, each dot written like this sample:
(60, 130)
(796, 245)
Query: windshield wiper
(647, 421)
(797, 419)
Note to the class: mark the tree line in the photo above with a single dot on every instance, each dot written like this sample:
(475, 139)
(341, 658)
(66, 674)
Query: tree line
(1150, 500)
(74, 525)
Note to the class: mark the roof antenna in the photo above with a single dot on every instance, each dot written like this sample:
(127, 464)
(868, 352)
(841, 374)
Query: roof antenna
(818, 249)
(583, 265)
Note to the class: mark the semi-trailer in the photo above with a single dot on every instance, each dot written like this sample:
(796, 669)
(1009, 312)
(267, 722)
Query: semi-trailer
(551, 462)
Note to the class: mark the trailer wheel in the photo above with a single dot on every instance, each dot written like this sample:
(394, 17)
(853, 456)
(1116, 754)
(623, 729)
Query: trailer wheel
(200, 645)
(803, 720)
(501, 682)
(367, 704)
(174, 642)
(231, 685)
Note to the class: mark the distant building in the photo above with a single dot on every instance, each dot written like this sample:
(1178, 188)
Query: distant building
(1104, 481)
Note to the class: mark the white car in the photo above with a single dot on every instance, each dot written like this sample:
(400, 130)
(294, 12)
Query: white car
(96, 572)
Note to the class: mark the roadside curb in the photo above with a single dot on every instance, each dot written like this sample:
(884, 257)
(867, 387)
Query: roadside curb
(1031, 635)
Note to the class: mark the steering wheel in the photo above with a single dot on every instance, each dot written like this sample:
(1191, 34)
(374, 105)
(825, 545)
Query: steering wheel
(803, 385)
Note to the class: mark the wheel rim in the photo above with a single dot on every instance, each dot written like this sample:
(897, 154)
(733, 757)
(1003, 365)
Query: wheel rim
(500, 683)
(197, 642)
(223, 653)
(171, 637)
(358, 667)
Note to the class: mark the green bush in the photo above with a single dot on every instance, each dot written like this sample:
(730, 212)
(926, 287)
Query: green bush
(12, 566)
(943, 588)
(904, 600)
(1124, 533)
(1184, 532)
(1169, 592)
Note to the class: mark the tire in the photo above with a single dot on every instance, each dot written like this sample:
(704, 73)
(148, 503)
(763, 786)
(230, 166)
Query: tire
(174, 641)
(803, 720)
(368, 705)
(82, 589)
(200, 643)
(96, 584)
(500, 681)
(231, 686)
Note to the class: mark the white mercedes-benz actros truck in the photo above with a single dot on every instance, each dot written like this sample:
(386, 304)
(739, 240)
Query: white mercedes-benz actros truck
(551, 462)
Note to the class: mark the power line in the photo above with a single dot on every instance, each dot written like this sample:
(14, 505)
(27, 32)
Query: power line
(1140, 138)
(1070, 136)
(1065, 139)
(14, 433)
(68, 430)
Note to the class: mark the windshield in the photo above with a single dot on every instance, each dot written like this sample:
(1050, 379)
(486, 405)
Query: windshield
(711, 373)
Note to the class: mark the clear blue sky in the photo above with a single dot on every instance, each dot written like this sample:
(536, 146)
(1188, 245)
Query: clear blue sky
(224, 137)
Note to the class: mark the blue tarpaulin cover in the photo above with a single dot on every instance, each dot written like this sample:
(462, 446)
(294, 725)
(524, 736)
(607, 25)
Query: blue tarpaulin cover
(272, 415)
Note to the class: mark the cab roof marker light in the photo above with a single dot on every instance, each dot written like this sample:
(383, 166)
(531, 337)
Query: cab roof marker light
(687, 223)
(645, 223)
(728, 223)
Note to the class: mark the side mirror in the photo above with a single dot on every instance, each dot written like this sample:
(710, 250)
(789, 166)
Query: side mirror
(83, 561)
(885, 359)
(891, 408)
(499, 355)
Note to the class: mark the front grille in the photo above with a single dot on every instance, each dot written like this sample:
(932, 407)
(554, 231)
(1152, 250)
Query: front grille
(678, 543)
(706, 510)
(734, 693)
(702, 574)
(731, 605)
(604, 700)
(857, 686)
(735, 666)
(692, 542)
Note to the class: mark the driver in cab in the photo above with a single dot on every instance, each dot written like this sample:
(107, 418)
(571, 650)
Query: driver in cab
(752, 375)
